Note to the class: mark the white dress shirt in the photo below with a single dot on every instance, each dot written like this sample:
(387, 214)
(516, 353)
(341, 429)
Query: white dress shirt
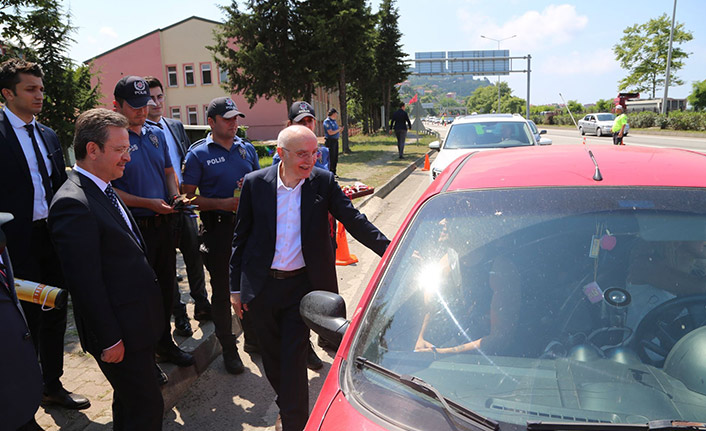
(288, 245)
(41, 207)
(102, 185)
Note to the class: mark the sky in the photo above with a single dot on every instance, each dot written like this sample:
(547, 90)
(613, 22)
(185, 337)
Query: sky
(571, 43)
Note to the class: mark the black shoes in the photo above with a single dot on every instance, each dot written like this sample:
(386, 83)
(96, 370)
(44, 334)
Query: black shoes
(162, 378)
(182, 326)
(65, 399)
(174, 355)
(231, 359)
(313, 362)
(203, 312)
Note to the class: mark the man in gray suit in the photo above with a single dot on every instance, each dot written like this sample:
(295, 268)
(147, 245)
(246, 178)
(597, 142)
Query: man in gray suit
(188, 241)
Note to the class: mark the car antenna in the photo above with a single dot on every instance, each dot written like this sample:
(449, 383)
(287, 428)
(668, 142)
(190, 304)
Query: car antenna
(597, 174)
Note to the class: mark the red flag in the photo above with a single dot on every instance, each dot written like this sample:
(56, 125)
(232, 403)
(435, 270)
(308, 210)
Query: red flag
(413, 99)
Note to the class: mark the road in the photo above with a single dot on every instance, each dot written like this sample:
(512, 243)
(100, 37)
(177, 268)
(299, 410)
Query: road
(567, 136)
(220, 401)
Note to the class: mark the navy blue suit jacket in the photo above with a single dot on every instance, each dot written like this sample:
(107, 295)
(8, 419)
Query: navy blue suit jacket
(17, 191)
(21, 380)
(255, 231)
(114, 289)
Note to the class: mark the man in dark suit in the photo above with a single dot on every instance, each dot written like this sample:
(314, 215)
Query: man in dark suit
(116, 296)
(282, 251)
(21, 388)
(188, 240)
(31, 170)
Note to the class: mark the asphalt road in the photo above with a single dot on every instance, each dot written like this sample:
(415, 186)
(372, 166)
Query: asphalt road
(220, 401)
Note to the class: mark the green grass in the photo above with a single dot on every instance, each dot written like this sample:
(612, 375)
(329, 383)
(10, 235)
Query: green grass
(373, 160)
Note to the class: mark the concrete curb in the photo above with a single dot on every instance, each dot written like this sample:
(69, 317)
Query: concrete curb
(395, 181)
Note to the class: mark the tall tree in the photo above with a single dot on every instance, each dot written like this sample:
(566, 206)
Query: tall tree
(697, 98)
(643, 50)
(40, 31)
(264, 51)
(343, 32)
(485, 99)
(389, 57)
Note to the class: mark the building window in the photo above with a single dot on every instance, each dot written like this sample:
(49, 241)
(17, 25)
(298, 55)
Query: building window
(205, 114)
(193, 115)
(189, 74)
(206, 74)
(175, 112)
(223, 75)
(172, 76)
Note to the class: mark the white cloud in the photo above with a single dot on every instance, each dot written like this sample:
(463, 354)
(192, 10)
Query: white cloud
(108, 31)
(554, 26)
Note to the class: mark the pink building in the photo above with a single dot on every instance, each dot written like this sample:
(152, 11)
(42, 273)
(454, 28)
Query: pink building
(178, 56)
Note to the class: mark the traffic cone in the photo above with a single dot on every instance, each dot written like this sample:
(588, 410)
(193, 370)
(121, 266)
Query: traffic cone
(343, 255)
(426, 162)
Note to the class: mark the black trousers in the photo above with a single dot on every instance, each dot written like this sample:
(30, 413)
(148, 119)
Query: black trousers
(401, 135)
(617, 140)
(137, 398)
(284, 341)
(189, 247)
(218, 239)
(332, 145)
(47, 327)
(158, 233)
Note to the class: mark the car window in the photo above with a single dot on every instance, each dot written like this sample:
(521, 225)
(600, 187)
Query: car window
(488, 134)
(606, 117)
(576, 304)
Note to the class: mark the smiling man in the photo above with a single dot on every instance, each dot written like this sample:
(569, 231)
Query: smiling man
(116, 298)
(282, 251)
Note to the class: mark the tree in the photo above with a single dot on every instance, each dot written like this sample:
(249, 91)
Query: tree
(264, 51)
(604, 105)
(512, 104)
(643, 50)
(389, 56)
(484, 100)
(348, 26)
(40, 31)
(697, 98)
(575, 107)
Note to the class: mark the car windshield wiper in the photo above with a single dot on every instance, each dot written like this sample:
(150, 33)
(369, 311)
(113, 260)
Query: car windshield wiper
(658, 425)
(458, 412)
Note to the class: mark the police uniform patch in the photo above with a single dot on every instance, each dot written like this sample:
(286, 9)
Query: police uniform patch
(242, 152)
(154, 140)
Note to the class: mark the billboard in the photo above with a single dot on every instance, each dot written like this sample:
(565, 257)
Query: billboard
(467, 62)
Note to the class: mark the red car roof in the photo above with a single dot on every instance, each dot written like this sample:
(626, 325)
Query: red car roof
(571, 165)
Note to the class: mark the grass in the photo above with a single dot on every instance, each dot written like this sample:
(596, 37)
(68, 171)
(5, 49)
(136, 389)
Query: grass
(373, 158)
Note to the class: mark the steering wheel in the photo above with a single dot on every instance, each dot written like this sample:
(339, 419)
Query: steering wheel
(665, 324)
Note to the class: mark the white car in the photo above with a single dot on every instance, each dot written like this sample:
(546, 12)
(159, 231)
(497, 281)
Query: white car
(481, 132)
(599, 124)
(542, 140)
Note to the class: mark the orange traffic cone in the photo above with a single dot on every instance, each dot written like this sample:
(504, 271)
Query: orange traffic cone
(426, 162)
(343, 255)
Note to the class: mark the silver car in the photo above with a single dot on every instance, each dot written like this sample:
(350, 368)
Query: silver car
(599, 124)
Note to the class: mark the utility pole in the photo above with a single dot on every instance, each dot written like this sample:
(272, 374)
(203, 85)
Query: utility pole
(669, 60)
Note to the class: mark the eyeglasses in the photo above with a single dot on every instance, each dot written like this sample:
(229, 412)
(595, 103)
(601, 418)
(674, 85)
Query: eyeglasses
(303, 154)
(123, 150)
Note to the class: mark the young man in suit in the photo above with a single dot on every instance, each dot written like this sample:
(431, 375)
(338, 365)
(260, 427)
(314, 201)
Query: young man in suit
(116, 296)
(21, 388)
(31, 170)
(282, 251)
(188, 240)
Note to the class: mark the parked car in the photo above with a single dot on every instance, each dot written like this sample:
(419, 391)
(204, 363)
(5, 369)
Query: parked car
(540, 288)
(599, 124)
(542, 140)
(480, 132)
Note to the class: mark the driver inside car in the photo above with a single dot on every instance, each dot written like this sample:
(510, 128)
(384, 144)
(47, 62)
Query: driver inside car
(472, 302)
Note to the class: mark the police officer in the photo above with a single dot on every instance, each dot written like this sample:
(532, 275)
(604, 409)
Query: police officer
(216, 166)
(148, 186)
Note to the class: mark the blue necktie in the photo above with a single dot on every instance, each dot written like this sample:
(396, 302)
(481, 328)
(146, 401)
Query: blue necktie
(114, 200)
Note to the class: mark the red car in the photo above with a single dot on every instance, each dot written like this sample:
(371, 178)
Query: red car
(531, 288)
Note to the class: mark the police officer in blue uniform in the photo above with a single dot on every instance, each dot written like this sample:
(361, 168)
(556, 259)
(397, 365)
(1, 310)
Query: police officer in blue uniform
(216, 166)
(148, 186)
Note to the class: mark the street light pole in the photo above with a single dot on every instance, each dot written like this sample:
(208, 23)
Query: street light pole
(498, 41)
(669, 60)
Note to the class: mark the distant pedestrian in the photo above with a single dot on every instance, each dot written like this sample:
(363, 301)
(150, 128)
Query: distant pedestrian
(282, 251)
(215, 166)
(399, 122)
(331, 134)
(621, 120)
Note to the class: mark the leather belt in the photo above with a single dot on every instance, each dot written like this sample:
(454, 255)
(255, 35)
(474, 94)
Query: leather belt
(39, 223)
(283, 275)
(154, 221)
(217, 217)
